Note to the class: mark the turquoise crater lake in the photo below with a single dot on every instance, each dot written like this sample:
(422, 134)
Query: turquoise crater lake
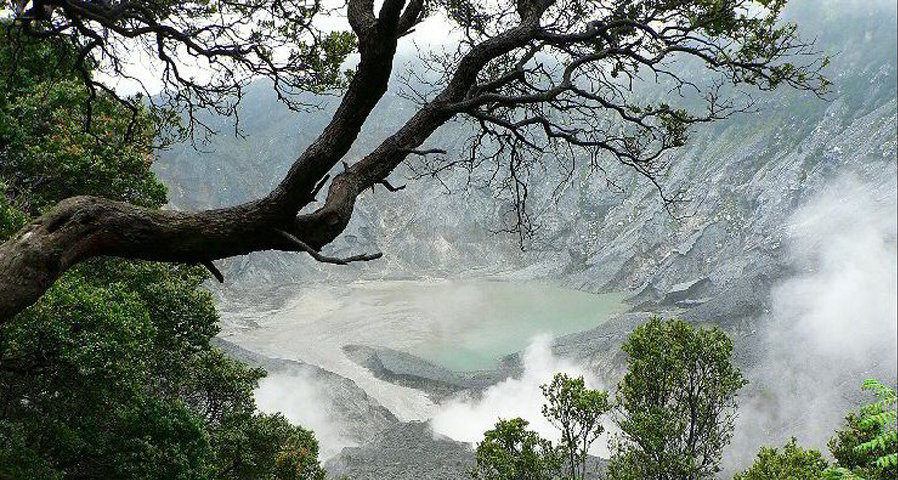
(488, 320)
(458, 324)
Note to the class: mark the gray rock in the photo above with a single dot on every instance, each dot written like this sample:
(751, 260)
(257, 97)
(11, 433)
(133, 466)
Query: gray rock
(686, 291)
(405, 451)
(411, 371)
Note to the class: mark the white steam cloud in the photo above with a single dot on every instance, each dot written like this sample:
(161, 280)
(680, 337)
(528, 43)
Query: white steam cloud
(465, 420)
(845, 301)
(301, 401)
(832, 324)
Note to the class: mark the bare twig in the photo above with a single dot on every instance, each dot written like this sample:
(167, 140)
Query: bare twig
(303, 246)
(429, 151)
(390, 187)
(213, 270)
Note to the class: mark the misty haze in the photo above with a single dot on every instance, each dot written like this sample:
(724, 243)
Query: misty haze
(467, 239)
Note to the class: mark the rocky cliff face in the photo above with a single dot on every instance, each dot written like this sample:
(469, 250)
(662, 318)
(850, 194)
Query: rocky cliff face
(742, 177)
(405, 451)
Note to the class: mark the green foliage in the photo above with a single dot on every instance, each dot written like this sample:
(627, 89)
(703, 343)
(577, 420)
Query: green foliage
(511, 452)
(297, 459)
(249, 445)
(85, 377)
(121, 382)
(576, 412)
(864, 449)
(112, 374)
(867, 445)
(791, 463)
(839, 473)
(677, 402)
(235, 42)
(46, 154)
(881, 417)
(753, 31)
(842, 444)
(11, 218)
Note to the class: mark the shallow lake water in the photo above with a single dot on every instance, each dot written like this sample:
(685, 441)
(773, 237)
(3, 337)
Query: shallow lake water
(473, 324)
(461, 325)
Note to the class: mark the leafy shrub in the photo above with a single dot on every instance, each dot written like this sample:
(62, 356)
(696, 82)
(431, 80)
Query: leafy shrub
(792, 462)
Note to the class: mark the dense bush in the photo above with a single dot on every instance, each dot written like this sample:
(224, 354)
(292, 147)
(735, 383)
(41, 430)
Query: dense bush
(512, 452)
(867, 445)
(792, 462)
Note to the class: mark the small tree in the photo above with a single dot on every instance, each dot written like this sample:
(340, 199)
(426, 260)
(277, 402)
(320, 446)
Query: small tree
(880, 416)
(576, 411)
(512, 452)
(677, 403)
(792, 462)
(298, 457)
(867, 445)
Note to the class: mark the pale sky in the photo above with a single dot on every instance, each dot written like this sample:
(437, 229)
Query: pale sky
(432, 32)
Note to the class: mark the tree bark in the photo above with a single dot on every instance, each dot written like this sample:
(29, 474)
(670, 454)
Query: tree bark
(80, 228)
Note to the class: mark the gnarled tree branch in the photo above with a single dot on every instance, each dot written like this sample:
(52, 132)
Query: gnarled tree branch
(534, 75)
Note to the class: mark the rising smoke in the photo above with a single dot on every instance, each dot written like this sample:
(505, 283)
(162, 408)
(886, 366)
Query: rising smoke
(465, 420)
(833, 323)
(300, 399)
